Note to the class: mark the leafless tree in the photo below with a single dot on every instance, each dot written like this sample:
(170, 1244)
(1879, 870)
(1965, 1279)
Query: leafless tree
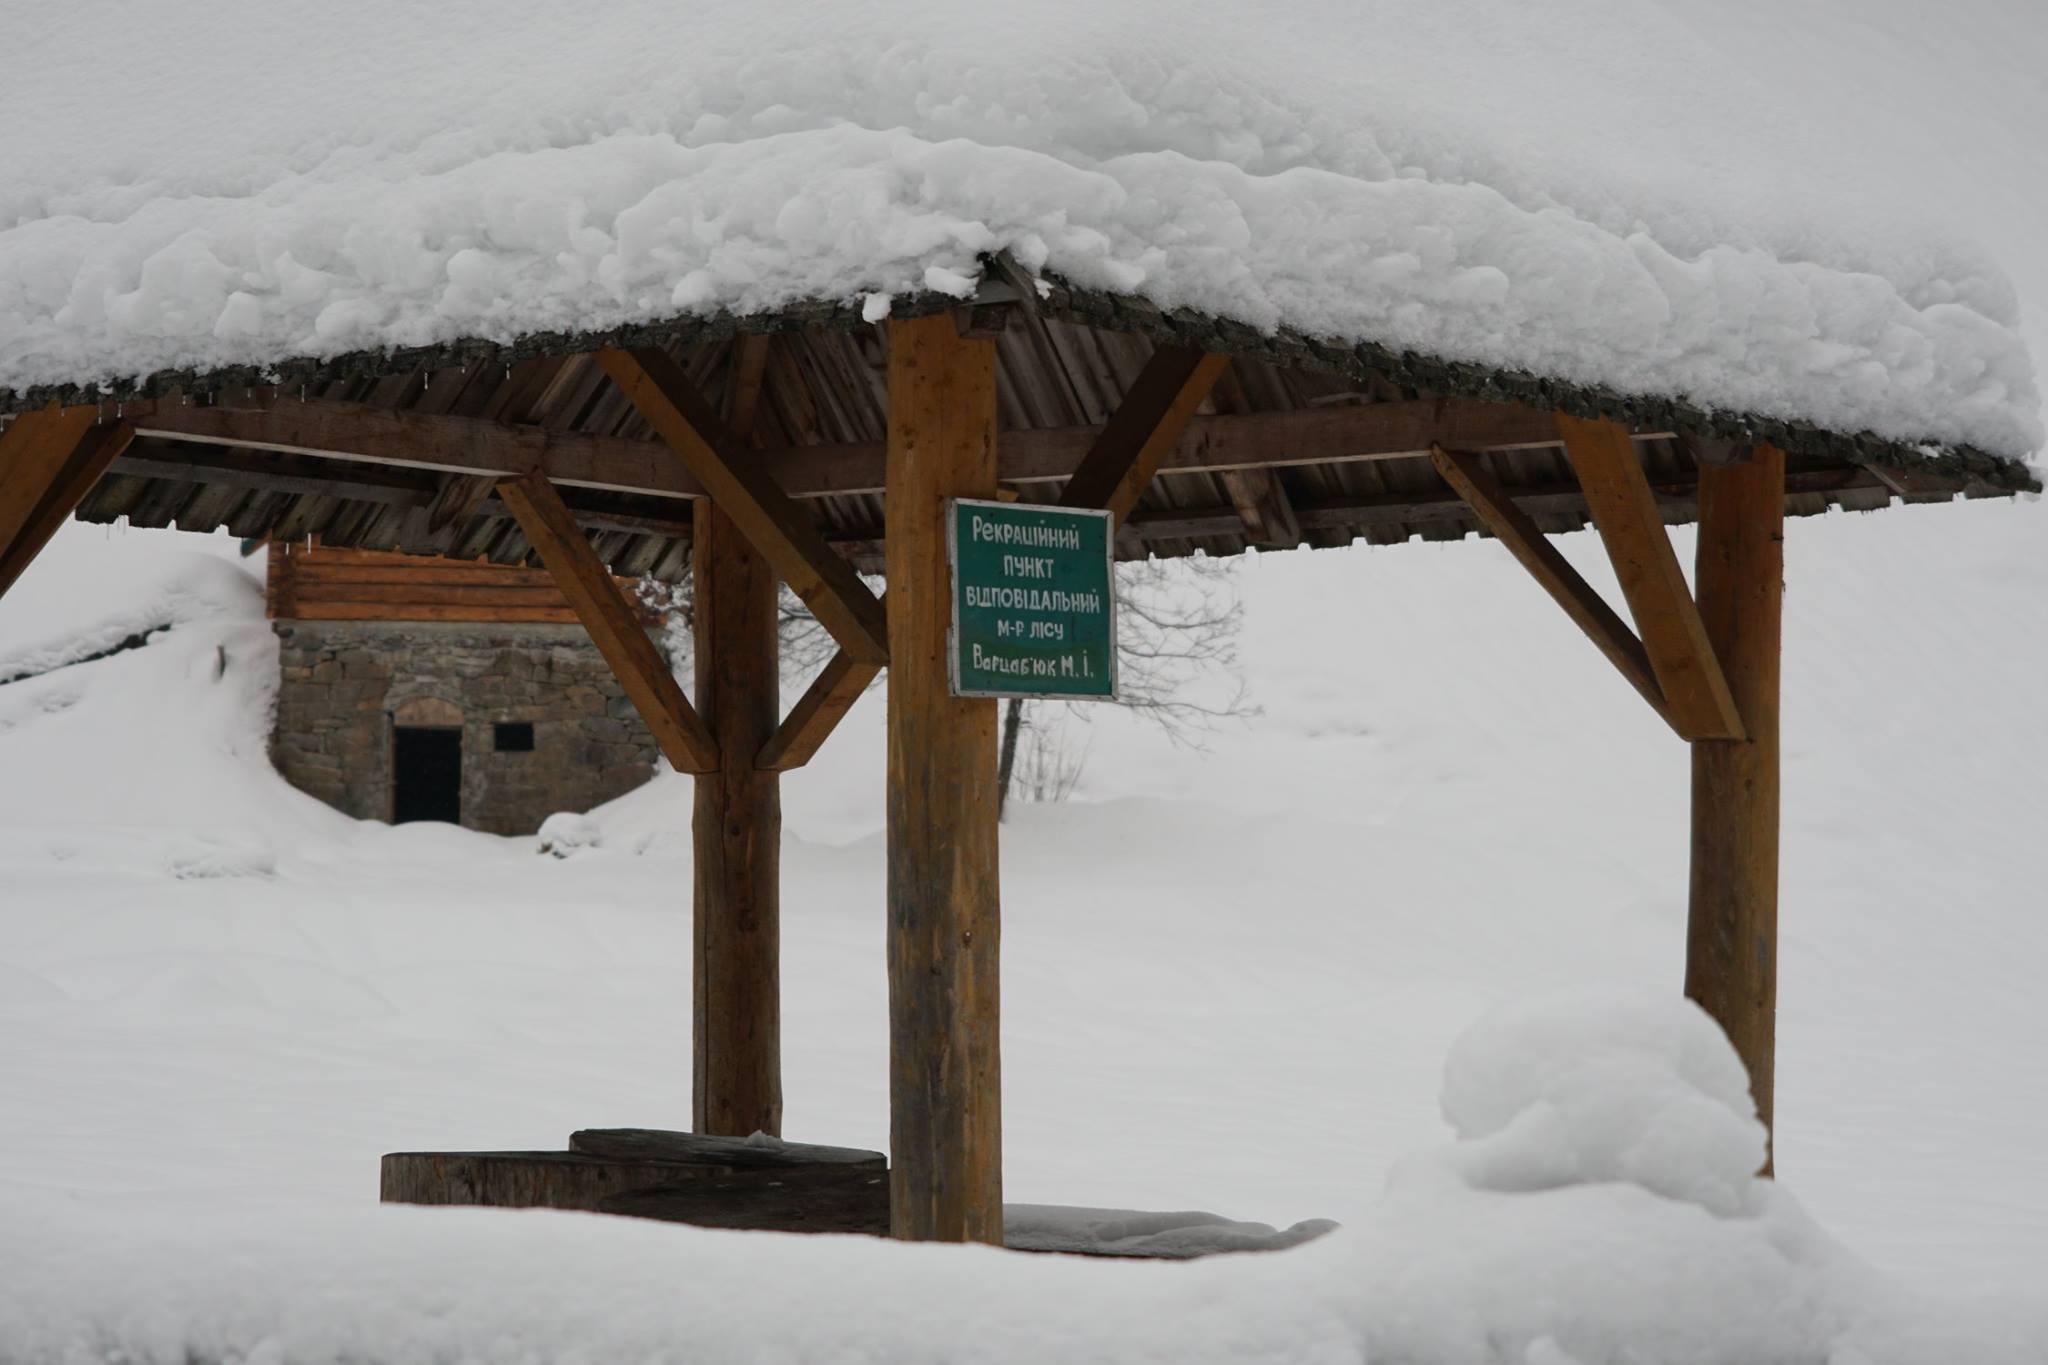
(1176, 658)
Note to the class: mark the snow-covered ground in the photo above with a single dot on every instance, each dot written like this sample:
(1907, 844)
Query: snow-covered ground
(1231, 980)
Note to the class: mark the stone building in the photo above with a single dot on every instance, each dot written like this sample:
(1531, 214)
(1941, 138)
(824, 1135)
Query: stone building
(424, 689)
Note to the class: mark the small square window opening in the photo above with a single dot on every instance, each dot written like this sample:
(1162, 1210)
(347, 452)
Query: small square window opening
(513, 736)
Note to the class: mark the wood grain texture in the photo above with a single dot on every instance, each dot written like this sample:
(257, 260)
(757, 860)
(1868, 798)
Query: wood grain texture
(737, 1153)
(1731, 958)
(324, 583)
(841, 683)
(945, 1081)
(739, 482)
(818, 1197)
(49, 460)
(1143, 431)
(614, 627)
(1624, 509)
(737, 835)
(1533, 550)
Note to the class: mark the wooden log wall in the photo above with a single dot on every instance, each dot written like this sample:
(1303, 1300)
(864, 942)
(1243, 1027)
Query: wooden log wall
(323, 583)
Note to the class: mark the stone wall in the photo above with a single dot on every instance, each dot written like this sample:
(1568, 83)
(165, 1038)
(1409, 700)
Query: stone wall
(347, 684)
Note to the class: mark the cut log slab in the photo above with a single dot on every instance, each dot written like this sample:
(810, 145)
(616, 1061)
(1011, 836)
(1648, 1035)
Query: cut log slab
(675, 1177)
(657, 1144)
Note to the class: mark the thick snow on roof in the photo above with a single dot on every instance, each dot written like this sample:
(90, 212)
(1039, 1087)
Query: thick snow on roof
(1588, 190)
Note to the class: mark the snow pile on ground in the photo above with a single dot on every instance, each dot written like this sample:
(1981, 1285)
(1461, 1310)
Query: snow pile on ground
(567, 833)
(155, 716)
(1441, 1272)
(1634, 1090)
(1577, 189)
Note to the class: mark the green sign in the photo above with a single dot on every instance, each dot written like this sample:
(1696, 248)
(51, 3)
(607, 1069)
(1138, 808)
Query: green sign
(1034, 602)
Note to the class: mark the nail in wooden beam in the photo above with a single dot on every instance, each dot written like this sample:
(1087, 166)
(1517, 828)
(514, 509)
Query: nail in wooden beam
(1467, 476)
(739, 483)
(1144, 430)
(613, 626)
(49, 460)
(1618, 495)
(1731, 944)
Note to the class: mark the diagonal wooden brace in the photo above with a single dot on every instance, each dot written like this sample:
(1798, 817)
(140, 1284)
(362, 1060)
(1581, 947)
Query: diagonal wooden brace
(1467, 476)
(1624, 509)
(743, 489)
(613, 626)
(49, 460)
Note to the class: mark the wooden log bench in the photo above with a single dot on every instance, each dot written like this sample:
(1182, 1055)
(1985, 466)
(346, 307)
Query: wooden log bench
(767, 1185)
(719, 1182)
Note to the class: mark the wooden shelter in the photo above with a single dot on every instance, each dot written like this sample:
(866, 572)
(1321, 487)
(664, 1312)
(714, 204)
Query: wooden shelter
(811, 446)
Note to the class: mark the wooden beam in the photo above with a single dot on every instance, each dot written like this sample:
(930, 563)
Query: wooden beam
(1624, 510)
(737, 833)
(1143, 430)
(470, 445)
(49, 460)
(1260, 499)
(818, 712)
(614, 627)
(741, 486)
(1731, 946)
(1513, 528)
(945, 1074)
(1270, 521)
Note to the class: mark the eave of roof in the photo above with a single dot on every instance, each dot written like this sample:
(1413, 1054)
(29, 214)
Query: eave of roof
(1407, 370)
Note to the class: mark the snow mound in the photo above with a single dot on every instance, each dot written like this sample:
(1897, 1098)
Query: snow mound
(1583, 1088)
(1439, 1272)
(1583, 195)
(199, 857)
(567, 833)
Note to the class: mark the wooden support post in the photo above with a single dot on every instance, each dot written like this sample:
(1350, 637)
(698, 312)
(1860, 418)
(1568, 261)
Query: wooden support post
(1731, 958)
(737, 825)
(49, 460)
(738, 834)
(613, 626)
(945, 1100)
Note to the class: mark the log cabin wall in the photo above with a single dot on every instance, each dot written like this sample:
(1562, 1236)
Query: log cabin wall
(417, 688)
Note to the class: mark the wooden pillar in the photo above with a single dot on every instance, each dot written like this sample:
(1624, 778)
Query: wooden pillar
(737, 1075)
(1731, 961)
(945, 1100)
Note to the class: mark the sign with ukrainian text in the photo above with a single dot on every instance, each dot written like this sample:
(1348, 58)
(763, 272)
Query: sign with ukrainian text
(1034, 601)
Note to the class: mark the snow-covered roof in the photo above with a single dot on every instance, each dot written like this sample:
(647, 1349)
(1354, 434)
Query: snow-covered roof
(1582, 191)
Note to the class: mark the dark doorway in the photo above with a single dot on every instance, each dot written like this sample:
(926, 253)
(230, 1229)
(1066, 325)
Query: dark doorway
(426, 774)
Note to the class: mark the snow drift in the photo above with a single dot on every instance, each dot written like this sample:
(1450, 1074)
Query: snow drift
(1444, 1270)
(1575, 190)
